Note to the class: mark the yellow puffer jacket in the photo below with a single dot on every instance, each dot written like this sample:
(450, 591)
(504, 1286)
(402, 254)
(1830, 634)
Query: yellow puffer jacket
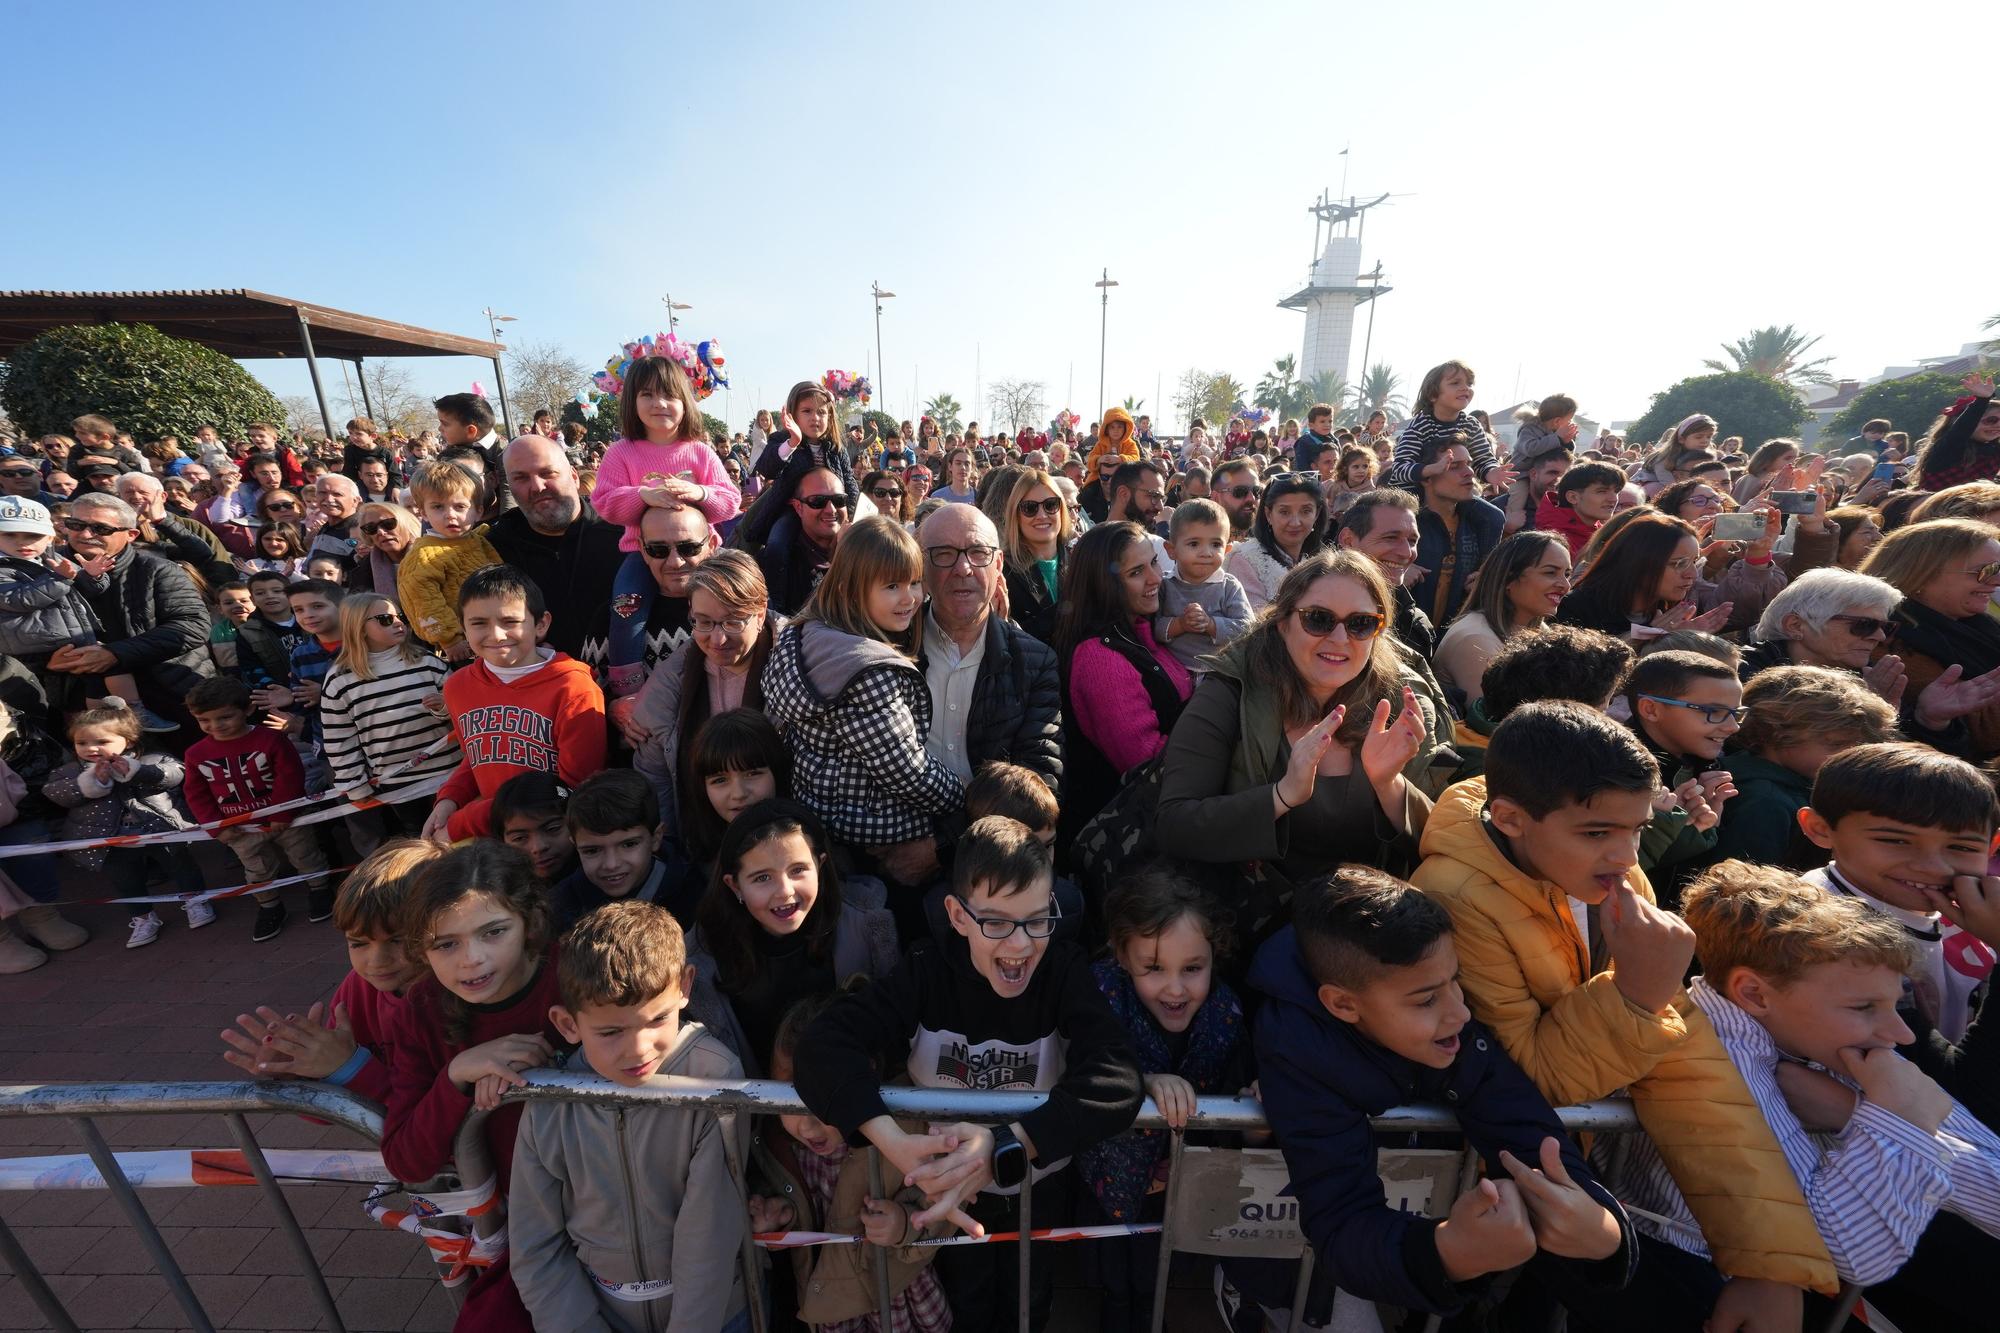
(1524, 967)
(428, 579)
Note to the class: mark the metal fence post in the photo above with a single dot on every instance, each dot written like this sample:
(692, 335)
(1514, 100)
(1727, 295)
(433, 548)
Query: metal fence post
(1178, 1141)
(253, 1153)
(142, 1222)
(1026, 1224)
(1307, 1259)
(882, 1294)
(37, 1286)
(753, 1285)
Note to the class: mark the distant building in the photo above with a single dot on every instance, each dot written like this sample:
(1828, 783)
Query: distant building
(1825, 401)
(1335, 290)
(1507, 428)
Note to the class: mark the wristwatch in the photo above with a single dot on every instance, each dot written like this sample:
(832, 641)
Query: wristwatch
(1010, 1158)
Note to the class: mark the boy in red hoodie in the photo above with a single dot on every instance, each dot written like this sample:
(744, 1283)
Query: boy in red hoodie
(238, 769)
(1577, 505)
(520, 708)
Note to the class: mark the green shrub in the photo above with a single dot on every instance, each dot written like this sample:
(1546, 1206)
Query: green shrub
(150, 384)
(1754, 406)
(1907, 404)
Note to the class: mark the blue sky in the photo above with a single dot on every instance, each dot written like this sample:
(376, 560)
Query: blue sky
(1591, 197)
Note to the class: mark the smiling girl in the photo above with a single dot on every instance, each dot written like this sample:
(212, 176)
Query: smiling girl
(1523, 581)
(773, 929)
(1187, 1027)
(843, 686)
(382, 716)
(477, 920)
(1441, 414)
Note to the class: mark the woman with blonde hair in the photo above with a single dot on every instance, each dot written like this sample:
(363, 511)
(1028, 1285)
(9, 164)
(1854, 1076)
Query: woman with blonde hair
(843, 686)
(731, 630)
(382, 717)
(384, 532)
(1036, 531)
(1947, 571)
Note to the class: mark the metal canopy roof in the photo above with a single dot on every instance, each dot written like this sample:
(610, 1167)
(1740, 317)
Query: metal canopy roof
(239, 323)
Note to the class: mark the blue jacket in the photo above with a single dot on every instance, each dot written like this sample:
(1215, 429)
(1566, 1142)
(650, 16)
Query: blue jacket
(1480, 527)
(1321, 1081)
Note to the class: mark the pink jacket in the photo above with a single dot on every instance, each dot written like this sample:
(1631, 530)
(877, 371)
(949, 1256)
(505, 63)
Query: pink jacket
(622, 475)
(1109, 697)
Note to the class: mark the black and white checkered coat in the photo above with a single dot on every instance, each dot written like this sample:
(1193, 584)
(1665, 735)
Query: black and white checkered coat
(855, 713)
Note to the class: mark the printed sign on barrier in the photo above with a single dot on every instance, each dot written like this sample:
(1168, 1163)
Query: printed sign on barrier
(1233, 1201)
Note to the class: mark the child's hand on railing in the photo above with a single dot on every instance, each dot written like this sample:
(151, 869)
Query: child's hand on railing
(883, 1222)
(1567, 1221)
(769, 1213)
(1174, 1096)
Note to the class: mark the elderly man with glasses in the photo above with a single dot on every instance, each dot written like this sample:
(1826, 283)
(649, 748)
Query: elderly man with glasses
(155, 625)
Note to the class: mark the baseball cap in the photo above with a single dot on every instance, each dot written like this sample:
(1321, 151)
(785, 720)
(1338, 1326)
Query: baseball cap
(89, 470)
(19, 515)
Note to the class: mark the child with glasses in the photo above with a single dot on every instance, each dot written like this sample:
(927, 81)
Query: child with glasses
(43, 607)
(1001, 1006)
(381, 710)
(1684, 708)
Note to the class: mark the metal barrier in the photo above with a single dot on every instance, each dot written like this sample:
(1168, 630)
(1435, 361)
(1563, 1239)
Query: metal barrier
(83, 1102)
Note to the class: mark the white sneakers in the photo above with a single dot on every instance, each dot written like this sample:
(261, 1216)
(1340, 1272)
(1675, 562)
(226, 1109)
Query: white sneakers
(145, 929)
(200, 913)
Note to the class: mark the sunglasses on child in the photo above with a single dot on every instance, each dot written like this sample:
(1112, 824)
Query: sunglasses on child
(1320, 622)
(685, 550)
(1051, 506)
(1001, 927)
(386, 619)
(1713, 714)
(818, 502)
(96, 529)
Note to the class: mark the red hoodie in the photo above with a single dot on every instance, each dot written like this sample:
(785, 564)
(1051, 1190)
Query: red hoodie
(548, 721)
(1571, 526)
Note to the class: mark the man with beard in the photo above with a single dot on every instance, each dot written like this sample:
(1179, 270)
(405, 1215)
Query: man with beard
(554, 537)
(1234, 487)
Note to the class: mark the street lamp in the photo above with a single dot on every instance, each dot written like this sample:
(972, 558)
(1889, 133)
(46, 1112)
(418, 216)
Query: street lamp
(1105, 284)
(880, 369)
(493, 323)
(672, 305)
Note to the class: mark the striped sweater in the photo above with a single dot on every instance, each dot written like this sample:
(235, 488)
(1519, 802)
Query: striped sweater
(373, 727)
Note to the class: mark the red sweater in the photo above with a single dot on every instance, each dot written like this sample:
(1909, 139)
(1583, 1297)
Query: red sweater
(548, 721)
(1566, 523)
(257, 769)
(373, 1016)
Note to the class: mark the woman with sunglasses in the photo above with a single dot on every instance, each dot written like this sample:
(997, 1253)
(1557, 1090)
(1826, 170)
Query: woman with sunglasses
(890, 497)
(1309, 743)
(731, 628)
(1122, 689)
(1036, 531)
(1648, 576)
(1944, 630)
(1290, 527)
(385, 532)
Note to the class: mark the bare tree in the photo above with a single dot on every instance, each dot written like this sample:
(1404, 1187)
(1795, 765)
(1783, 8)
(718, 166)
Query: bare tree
(393, 404)
(1191, 393)
(1016, 402)
(542, 375)
(301, 412)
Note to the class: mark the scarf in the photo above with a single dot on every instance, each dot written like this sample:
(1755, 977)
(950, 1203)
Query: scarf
(1972, 643)
(1120, 1169)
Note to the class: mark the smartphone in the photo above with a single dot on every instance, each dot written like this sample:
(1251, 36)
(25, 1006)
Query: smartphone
(1883, 472)
(1794, 502)
(1738, 527)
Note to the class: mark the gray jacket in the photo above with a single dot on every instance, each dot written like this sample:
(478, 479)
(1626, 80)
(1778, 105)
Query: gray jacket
(1227, 604)
(41, 611)
(144, 803)
(625, 1194)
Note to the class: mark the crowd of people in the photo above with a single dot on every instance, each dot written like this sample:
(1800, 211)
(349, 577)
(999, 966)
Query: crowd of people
(1339, 766)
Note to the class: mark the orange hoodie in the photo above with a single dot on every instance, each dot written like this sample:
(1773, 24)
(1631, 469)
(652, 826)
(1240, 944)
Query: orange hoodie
(548, 721)
(1128, 448)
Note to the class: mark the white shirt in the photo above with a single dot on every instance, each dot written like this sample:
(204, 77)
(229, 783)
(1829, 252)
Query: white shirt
(951, 676)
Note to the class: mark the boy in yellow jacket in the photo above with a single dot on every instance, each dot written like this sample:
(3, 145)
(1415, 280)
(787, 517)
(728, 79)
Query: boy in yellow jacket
(438, 563)
(1537, 862)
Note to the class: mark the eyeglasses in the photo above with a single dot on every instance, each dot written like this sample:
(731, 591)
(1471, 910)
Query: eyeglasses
(704, 627)
(1052, 506)
(1986, 573)
(379, 526)
(1703, 500)
(947, 557)
(1864, 627)
(1683, 564)
(95, 529)
(689, 550)
(1713, 714)
(886, 493)
(1001, 927)
(818, 502)
(386, 619)
(1320, 622)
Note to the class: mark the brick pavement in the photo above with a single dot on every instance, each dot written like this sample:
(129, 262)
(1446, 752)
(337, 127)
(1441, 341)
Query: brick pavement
(107, 1014)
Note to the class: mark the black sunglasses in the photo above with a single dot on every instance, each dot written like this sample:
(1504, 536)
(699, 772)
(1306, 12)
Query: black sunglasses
(282, 506)
(1052, 506)
(685, 550)
(822, 501)
(1320, 622)
(386, 619)
(99, 529)
(16, 473)
(1862, 627)
(380, 525)
(1241, 492)
(886, 493)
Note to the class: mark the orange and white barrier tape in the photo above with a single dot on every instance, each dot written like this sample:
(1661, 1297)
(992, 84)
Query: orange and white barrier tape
(456, 1253)
(792, 1240)
(178, 1168)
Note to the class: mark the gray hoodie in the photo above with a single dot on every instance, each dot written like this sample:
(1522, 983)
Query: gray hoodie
(627, 1194)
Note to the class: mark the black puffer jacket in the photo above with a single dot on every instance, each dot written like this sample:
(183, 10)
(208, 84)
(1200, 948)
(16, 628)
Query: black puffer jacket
(156, 626)
(43, 611)
(1016, 710)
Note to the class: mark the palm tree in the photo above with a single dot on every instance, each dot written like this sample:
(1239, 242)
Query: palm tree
(1377, 391)
(1991, 344)
(944, 410)
(1279, 389)
(1776, 352)
(1329, 386)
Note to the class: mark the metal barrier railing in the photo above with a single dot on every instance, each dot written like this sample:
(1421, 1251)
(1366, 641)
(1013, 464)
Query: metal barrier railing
(81, 1103)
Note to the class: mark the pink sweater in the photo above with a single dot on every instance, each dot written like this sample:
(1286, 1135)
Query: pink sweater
(622, 475)
(1112, 709)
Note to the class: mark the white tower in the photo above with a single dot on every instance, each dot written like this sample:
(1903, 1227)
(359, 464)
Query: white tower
(1334, 291)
